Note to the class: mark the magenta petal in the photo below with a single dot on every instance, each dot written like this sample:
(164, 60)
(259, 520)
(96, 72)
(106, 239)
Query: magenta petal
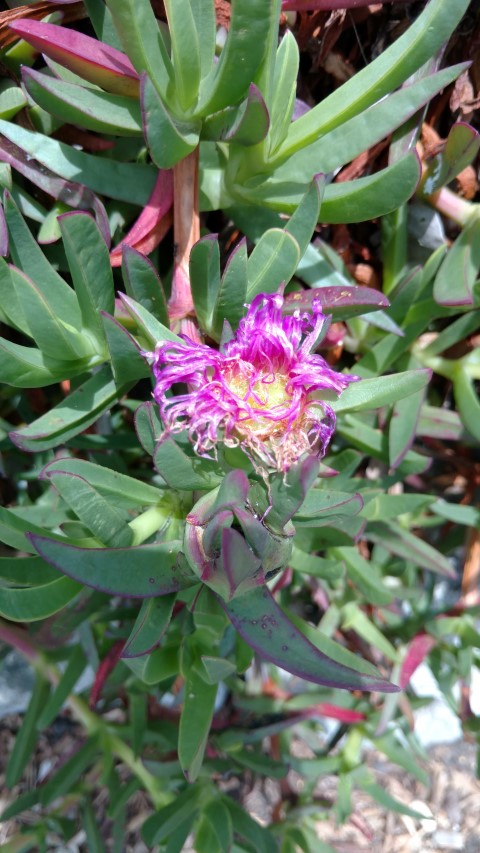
(265, 391)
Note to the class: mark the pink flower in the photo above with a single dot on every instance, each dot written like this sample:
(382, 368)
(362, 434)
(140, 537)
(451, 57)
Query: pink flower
(263, 391)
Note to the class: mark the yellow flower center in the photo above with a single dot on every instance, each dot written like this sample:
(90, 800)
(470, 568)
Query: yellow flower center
(265, 394)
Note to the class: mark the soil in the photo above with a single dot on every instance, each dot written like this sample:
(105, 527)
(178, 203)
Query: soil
(450, 802)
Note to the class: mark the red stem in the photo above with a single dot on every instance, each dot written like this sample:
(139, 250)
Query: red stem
(186, 230)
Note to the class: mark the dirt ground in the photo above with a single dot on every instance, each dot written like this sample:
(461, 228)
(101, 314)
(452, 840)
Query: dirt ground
(451, 802)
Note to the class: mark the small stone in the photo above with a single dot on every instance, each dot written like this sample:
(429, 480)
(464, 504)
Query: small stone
(450, 841)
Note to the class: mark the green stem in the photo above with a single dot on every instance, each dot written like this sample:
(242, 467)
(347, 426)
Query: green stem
(394, 247)
(92, 722)
(148, 522)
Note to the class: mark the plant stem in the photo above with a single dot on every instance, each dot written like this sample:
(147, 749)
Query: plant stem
(92, 722)
(457, 209)
(186, 230)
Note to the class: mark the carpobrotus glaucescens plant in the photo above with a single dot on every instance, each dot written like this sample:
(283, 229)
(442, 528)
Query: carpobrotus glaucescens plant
(263, 390)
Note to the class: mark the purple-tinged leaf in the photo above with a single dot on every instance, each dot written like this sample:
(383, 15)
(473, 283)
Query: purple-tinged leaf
(4, 249)
(232, 492)
(143, 571)
(153, 222)
(91, 59)
(71, 193)
(246, 124)
(150, 625)
(459, 270)
(287, 492)
(240, 564)
(417, 651)
(342, 302)
(461, 148)
(265, 627)
(320, 502)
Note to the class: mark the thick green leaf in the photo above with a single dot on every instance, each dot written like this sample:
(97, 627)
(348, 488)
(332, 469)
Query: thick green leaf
(160, 825)
(13, 530)
(148, 325)
(266, 628)
(304, 220)
(29, 604)
(184, 472)
(142, 40)
(394, 65)
(258, 838)
(26, 738)
(148, 426)
(150, 625)
(284, 90)
(89, 264)
(232, 292)
(458, 513)
(341, 145)
(126, 360)
(216, 669)
(195, 721)
(204, 268)
(404, 544)
(27, 255)
(364, 575)
(169, 140)
(130, 182)
(459, 271)
(322, 501)
(101, 517)
(374, 442)
(272, 262)
(246, 124)
(54, 335)
(140, 572)
(12, 99)
(467, 402)
(143, 283)
(460, 150)
(403, 426)
(25, 571)
(349, 201)
(102, 23)
(356, 619)
(383, 507)
(185, 50)
(74, 414)
(287, 492)
(94, 110)
(121, 490)
(241, 56)
(27, 367)
(220, 822)
(382, 391)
